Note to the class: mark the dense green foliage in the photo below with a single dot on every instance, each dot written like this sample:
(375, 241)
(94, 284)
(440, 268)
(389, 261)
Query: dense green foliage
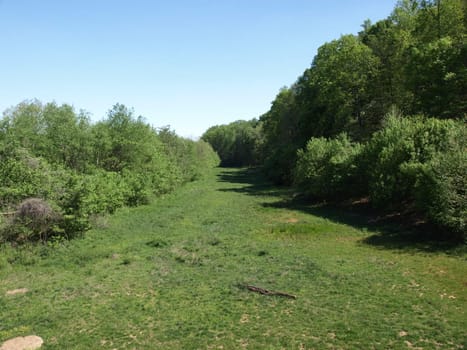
(192, 159)
(326, 168)
(412, 64)
(400, 63)
(236, 143)
(441, 187)
(394, 155)
(81, 169)
(420, 161)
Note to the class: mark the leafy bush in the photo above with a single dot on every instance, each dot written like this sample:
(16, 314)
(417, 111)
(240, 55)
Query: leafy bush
(393, 153)
(25, 176)
(421, 161)
(135, 187)
(203, 158)
(192, 158)
(21, 176)
(326, 168)
(100, 192)
(279, 164)
(441, 185)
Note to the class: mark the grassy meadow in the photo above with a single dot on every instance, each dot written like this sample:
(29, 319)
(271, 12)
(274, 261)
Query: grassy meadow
(172, 274)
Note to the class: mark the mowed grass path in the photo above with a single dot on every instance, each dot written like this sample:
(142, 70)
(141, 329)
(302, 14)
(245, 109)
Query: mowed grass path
(170, 275)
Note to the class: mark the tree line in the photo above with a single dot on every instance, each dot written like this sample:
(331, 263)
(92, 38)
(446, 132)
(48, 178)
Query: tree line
(58, 170)
(379, 114)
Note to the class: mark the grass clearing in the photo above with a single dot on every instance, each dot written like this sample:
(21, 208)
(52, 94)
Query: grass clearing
(170, 275)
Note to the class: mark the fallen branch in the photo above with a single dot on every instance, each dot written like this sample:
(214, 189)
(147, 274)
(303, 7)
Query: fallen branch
(10, 213)
(269, 292)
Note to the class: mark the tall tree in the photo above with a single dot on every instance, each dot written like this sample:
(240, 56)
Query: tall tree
(280, 127)
(390, 43)
(67, 135)
(437, 68)
(437, 75)
(342, 71)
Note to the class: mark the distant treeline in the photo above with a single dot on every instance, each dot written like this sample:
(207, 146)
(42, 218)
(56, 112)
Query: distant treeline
(58, 170)
(379, 114)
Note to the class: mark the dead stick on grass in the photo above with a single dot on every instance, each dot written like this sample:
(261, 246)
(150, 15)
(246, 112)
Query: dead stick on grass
(9, 213)
(269, 292)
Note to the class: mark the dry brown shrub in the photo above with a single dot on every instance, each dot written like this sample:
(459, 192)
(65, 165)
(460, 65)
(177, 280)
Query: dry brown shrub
(35, 209)
(37, 216)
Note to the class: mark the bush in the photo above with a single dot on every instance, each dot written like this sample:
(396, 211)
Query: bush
(191, 158)
(202, 159)
(100, 192)
(21, 176)
(279, 164)
(441, 186)
(392, 155)
(34, 220)
(421, 162)
(136, 188)
(327, 168)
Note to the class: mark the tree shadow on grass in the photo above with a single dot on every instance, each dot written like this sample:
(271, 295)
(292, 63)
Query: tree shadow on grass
(252, 183)
(394, 231)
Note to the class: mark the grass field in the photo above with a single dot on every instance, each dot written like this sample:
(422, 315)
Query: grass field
(172, 275)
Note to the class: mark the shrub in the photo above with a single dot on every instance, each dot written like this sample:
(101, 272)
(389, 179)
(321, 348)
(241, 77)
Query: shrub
(279, 164)
(34, 220)
(394, 153)
(164, 176)
(440, 190)
(184, 160)
(100, 192)
(204, 158)
(136, 188)
(21, 176)
(327, 168)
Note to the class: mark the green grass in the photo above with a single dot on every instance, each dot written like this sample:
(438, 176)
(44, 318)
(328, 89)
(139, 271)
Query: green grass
(171, 275)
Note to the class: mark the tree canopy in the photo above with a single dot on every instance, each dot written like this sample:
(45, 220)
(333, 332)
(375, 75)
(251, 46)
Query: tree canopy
(320, 132)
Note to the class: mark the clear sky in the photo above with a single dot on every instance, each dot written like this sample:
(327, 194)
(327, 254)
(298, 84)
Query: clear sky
(190, 64)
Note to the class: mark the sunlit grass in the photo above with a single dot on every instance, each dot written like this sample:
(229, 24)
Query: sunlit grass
(170, 275)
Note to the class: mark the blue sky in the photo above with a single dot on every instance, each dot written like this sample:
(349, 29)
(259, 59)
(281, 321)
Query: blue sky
(190, 64)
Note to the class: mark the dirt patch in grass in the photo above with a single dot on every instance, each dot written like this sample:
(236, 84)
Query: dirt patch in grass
(30, 342)
(17, 291)
(291, 220)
